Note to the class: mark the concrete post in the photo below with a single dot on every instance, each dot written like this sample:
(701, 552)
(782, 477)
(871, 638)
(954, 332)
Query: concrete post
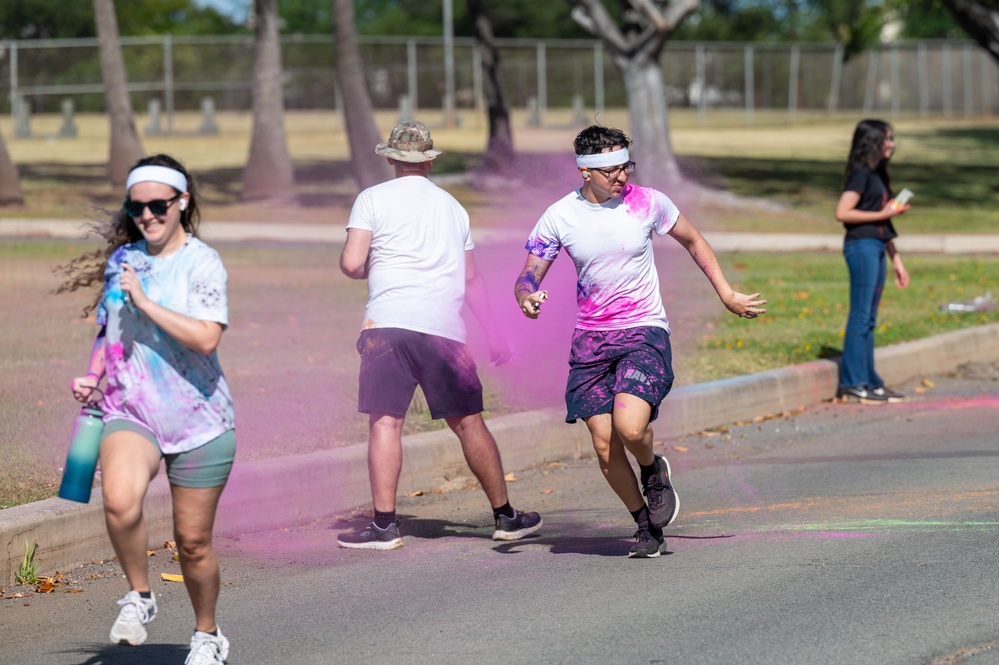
(208, 126)
(68, 129)
(22, 117)
(154, 128)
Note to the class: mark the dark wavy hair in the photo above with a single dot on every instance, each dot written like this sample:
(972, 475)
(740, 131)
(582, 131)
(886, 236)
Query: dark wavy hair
(595, 139)
(119, 229)
(867, 150)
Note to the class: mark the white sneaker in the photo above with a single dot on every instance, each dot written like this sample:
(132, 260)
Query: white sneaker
(208, 649)
(136, 612)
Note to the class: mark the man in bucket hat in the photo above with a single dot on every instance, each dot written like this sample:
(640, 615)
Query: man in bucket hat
(411, 240)
(409, 142)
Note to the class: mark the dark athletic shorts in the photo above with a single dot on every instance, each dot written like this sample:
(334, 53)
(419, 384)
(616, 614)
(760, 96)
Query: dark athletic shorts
(394, 361)
(603, 363)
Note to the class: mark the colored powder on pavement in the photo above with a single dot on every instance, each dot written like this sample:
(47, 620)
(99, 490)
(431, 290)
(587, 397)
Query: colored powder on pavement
(986, 401)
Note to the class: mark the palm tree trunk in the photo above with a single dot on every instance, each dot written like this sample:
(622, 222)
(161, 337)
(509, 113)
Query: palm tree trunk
(499, 151)
(126, 149)
(268, 174)
(368, 168)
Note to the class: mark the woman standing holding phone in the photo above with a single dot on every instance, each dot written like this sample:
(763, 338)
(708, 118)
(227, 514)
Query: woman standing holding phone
(866, 208)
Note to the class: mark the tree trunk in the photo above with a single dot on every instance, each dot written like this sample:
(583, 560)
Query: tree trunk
(635, 39)
(980, 22)
(368, 168)
(648, 119)
(126, 149)
(10, 180)
(499, 150)
(268, 174)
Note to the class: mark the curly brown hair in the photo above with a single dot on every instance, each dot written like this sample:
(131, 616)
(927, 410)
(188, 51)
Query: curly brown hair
(118, 229)
(596, 138)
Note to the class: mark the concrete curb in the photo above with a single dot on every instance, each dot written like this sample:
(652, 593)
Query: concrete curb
(265, 494)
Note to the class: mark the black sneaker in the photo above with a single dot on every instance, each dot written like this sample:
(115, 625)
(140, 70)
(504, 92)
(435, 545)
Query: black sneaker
(516, 527)
(664, 504)
(890, 395)
(648, 543)
(657, 533)
(862, 395)
(372, 538)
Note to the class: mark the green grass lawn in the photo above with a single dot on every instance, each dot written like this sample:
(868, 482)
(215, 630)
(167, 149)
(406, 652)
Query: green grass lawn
(808, 300)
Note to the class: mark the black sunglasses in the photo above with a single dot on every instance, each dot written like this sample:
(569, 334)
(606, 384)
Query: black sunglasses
(157, 207)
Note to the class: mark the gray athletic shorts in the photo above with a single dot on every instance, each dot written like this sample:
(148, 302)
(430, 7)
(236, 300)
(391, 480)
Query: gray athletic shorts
(205, 466)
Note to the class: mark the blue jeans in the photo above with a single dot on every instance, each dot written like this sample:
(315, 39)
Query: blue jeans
(865, 259)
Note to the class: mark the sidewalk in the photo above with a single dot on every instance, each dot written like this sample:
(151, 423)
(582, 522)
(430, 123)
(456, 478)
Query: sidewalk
(271, 493)
(720, 241)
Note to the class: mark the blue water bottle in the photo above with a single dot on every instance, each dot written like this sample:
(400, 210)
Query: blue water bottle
(81, 461)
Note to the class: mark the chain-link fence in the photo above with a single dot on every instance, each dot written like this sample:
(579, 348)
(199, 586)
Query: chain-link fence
(178, 73)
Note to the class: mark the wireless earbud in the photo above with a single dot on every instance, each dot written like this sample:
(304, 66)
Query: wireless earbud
(586, 175)
(183, 204)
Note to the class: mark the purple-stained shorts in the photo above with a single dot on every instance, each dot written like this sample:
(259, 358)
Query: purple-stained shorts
(603, 363)
(394, 361)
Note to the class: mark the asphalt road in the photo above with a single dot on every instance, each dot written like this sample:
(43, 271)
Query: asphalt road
(841, 534)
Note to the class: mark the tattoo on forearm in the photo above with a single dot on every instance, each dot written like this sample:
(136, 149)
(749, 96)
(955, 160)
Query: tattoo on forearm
(526, 283)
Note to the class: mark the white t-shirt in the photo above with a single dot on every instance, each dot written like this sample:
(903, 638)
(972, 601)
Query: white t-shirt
(611, 244)
(152, 379)
(416, 268)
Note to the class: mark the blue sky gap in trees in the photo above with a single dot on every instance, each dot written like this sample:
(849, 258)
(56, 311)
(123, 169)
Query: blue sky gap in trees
(237, 10)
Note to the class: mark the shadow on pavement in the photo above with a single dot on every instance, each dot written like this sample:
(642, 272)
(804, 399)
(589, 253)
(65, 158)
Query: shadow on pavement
(113, 654)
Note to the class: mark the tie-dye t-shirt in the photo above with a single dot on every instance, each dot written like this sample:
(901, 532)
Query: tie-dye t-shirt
(152, 379)
(617, 284)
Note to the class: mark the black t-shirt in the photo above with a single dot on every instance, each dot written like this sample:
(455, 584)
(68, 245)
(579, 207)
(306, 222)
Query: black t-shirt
(874, 195)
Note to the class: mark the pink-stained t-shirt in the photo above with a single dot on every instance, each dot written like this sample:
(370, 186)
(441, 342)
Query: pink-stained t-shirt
(610, 243)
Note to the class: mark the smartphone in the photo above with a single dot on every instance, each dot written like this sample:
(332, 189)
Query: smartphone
(902, 198)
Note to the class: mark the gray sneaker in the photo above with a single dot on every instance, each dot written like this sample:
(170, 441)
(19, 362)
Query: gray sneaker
(372, 538)
(130, 626)
(648, 543)
(516, 527)
(664, 504)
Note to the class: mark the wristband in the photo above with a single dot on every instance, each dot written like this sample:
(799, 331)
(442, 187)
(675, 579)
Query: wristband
(95, 375)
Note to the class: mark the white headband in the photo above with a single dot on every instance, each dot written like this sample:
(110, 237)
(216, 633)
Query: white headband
(602, 159)
(162, 174)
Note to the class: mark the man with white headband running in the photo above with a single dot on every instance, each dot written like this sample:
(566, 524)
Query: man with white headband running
(620, 359)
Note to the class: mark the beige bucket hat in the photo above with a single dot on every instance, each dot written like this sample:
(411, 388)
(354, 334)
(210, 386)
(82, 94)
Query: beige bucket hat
(409, 142)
